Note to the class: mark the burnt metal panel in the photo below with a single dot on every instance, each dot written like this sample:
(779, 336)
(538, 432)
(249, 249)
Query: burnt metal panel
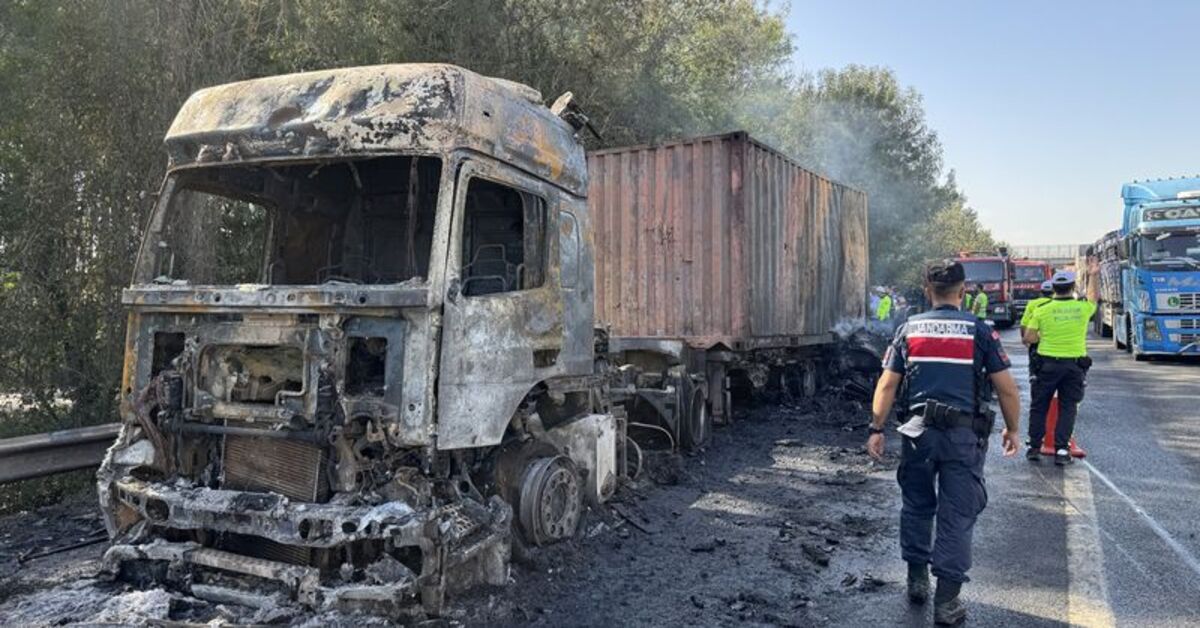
(415, 108)
(723, 240)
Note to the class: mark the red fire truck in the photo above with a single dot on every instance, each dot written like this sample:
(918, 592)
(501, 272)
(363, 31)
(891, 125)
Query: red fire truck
(1027, 278)
(993, 269)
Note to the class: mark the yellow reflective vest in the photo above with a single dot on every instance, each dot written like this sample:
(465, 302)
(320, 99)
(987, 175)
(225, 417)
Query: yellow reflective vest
(884, 311)
(976, 305)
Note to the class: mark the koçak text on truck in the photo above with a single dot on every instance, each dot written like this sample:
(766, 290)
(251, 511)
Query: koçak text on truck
(362, 355)
(1157, 257)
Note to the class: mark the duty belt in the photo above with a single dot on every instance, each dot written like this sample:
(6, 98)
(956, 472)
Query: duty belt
(943, 417)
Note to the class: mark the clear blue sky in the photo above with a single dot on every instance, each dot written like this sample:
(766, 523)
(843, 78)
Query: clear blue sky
(1044, 108)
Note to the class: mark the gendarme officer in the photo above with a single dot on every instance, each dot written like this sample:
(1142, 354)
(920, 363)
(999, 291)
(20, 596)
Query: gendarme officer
(934, 371)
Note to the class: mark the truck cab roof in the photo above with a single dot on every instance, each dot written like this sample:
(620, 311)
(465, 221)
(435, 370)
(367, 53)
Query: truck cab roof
(425, 108)
(1161, 204)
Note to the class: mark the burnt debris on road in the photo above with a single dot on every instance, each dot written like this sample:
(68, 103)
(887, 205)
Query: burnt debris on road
(780, 522)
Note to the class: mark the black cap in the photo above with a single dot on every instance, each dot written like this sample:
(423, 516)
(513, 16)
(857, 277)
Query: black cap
(946, 272)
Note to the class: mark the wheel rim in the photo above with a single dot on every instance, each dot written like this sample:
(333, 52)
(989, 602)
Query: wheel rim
(550, 502)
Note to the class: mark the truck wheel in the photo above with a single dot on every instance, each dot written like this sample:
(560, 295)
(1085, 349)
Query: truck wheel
(1116, 336)
(696, 421)
(808, 382)
(551, 500)
(791, 380)
(1136, 349)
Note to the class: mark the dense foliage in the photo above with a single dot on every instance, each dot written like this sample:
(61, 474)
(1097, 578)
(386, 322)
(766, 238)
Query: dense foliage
(88, 88)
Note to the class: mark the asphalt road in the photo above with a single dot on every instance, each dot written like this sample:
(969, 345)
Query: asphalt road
(785, 522)
(1111, 540)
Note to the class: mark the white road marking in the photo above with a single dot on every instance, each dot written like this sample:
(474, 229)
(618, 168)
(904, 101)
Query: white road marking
(1180, 551)
(1087, 590)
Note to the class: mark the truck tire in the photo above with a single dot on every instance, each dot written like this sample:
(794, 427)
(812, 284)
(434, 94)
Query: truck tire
(696, 422)
(1116, 336)
(1135, 349)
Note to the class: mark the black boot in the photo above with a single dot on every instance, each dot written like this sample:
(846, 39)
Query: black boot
(918, 583)
(948, 609)
(1033, 454)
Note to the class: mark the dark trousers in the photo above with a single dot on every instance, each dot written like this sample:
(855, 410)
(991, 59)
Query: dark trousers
(1035, 362)
(1066, 378)
(941, 477)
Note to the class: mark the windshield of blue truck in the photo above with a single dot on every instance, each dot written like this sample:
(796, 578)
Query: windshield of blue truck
(984, 272)
(1171, 251)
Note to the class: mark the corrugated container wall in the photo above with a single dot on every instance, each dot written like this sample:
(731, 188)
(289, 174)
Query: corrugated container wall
(723, 240)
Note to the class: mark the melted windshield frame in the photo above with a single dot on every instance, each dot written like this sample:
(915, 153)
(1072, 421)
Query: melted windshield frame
(369, 220)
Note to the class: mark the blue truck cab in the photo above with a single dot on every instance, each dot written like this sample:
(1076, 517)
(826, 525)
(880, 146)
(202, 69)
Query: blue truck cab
(1160, 268)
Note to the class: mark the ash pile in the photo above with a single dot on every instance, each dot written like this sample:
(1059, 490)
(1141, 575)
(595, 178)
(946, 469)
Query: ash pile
(858, 358)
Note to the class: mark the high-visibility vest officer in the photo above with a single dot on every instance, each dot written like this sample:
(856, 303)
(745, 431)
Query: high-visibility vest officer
(936, 365)
(977, 302)
(1059, 328)
(884, 311)
(1027, 315)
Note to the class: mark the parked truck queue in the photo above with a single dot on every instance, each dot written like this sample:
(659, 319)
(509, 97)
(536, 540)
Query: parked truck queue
(1145, 276)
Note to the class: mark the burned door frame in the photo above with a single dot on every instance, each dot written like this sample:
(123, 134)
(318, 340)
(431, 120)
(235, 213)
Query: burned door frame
(497, 347)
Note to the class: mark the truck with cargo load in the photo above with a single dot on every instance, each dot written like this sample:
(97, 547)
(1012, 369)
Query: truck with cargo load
(387, 321)
(1098, 279)
(1153, 267)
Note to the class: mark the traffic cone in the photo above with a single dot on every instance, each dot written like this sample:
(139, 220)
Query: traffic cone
(1048, 441)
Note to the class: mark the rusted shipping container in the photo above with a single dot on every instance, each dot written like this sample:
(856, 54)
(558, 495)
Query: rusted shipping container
(723, 240)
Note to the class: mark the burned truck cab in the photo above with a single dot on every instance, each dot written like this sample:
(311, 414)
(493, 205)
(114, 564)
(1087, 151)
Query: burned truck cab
(360, 345)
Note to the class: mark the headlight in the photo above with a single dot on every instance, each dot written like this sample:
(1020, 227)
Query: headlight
(1151, 330)
(1143, 299)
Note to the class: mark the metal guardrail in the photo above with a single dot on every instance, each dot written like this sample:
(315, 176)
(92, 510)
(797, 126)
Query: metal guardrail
(39, 455)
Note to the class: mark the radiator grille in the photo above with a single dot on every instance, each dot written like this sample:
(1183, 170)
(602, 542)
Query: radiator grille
(258, 547)
(293, 469)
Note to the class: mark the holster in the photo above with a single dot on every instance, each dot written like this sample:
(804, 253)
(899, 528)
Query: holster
(942, 416)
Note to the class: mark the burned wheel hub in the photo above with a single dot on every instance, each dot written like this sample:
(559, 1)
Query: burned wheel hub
(550, 502)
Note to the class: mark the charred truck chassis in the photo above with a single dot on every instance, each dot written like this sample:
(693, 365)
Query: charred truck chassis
(360, 348)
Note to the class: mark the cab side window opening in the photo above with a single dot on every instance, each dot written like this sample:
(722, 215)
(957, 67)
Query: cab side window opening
(504, 239)
(366, 221)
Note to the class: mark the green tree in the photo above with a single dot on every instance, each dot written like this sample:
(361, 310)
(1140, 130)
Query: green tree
(88, 87)
(861, 126)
